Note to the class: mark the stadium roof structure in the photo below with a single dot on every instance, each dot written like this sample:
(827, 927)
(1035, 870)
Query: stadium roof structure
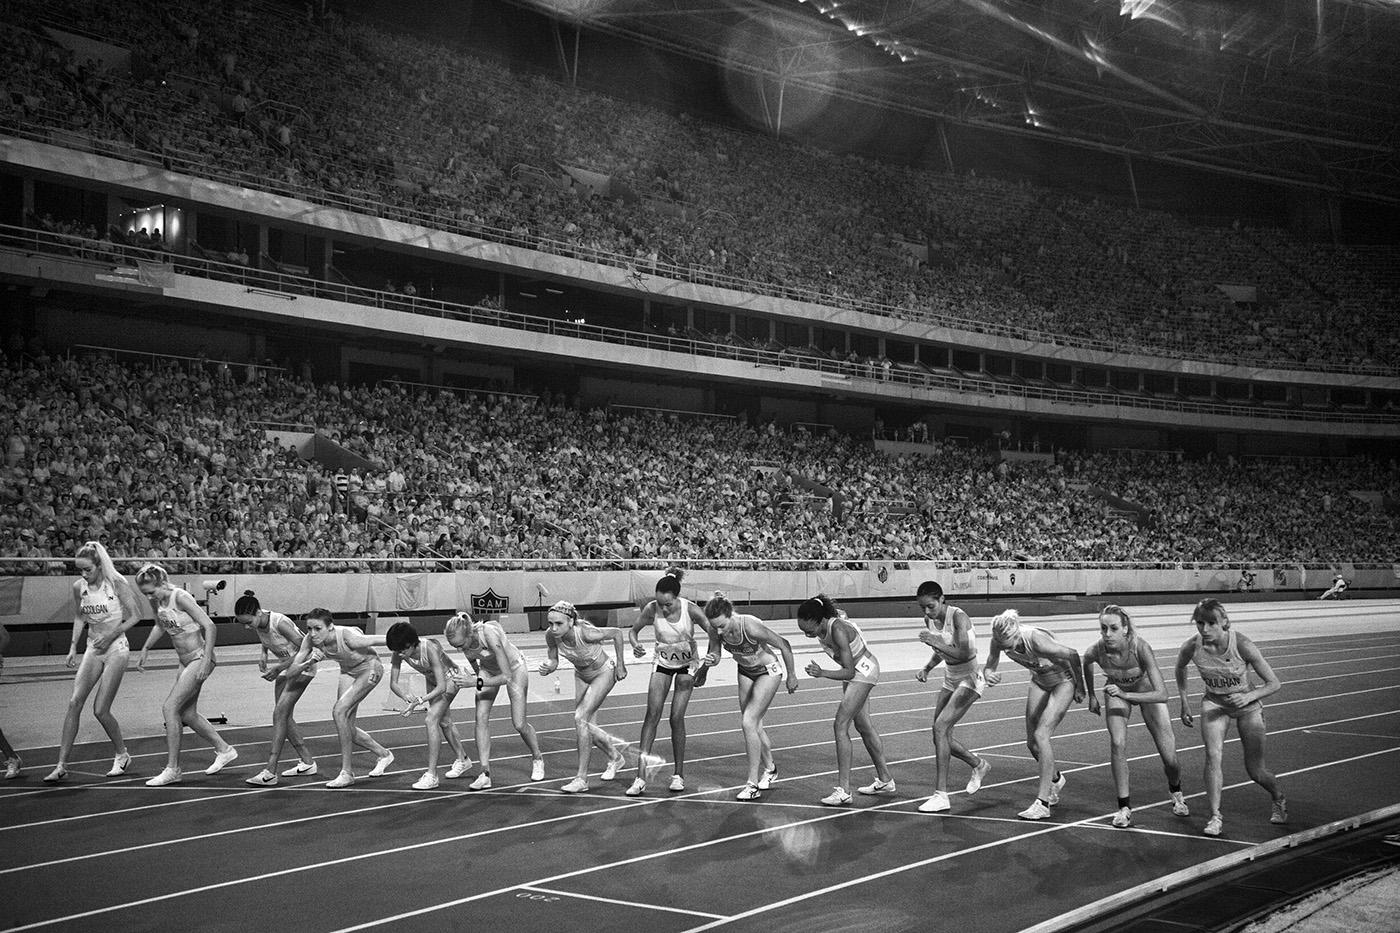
(1298, 92)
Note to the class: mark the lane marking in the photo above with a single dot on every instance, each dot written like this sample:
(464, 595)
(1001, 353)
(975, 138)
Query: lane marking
(612, 900)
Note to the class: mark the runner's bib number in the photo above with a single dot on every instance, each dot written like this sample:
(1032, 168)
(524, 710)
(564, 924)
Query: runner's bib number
(865, 666)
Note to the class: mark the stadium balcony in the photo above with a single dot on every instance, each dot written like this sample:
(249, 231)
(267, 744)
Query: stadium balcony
(63, 259)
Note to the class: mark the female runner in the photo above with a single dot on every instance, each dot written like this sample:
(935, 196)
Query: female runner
(755, 648)
(360, 671)
(106, 604)
(1134, 679)
(1056, 678)
(843, 642)
(280, 639)
(950, 633)
(496, 663)
(674, 620)
(1224, 659)
(581, 643)
(192, 633)
(428, 658)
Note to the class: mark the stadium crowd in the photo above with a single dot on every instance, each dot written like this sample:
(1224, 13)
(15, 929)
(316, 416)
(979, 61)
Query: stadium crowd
(162, 460)
(417, 130)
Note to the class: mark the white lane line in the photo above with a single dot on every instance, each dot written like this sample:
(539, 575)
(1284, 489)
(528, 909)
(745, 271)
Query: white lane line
(1359, 735)
(612, 900)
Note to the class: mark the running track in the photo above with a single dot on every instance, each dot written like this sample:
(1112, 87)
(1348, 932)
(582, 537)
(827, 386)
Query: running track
(213, 854)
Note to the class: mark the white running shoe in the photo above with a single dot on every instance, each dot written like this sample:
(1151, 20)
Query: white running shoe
(766, 781)
(300, 768)
(879, 788)
(382, 765)
(577, 786)
(12, 768)
(1279, 816)
(222, 759)
(938, 803)
(57, 776)
(537, 770)
(343, 779)
(837, 798)
(119, 765)
(750, 792)
(1055, 787)
(677, 784)
(1123, 818)
(648, 765)
(166, 776)
(482, 782)
(639, 787)
(459, 767)
(1215, 825)
(263, 778)
(1036, 811)
(429, 781)
(1179, 807)
(615, 764)
(979, 774)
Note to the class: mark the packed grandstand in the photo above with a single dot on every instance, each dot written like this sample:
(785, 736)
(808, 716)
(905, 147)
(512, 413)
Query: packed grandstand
(419, 131)
(167, 460)
(172, 460)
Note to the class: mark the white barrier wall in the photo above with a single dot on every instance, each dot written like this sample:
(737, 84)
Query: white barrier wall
(45, 600)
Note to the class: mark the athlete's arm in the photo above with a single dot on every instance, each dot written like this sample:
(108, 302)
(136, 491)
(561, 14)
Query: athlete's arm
(436, 662)
(288, 630)
(595, 634)
(498, 651)
(151, 639)
(395, 666)
(697, 617)
(1148, 662)
(645, 618)
(302, 660)
(551, 665)
(764, 635)
(1271, 685)
(962, 649)
(847, 670)
(1183, 658)
(131, 613)
(989, 670)
(356, 638)
(185, 602)
(78, 621)
(1090, 657)
(1048, 647)
(712, 649)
